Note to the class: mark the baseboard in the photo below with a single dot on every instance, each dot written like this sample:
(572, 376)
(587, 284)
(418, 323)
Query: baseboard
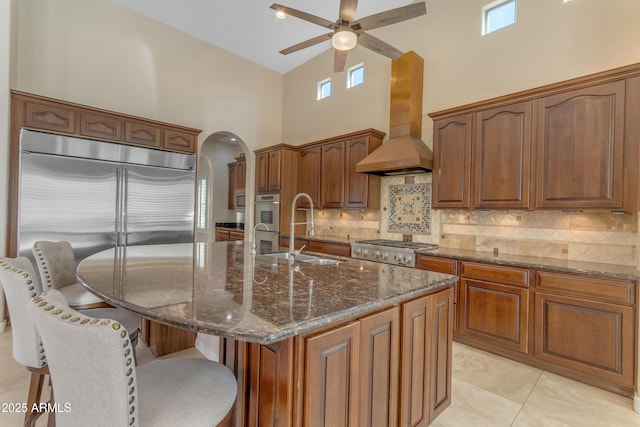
(636, 402)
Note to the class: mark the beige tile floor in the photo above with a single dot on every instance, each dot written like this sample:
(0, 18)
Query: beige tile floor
(487, 391)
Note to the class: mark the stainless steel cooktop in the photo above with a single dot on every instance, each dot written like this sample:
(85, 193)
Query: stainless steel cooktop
(389, 251)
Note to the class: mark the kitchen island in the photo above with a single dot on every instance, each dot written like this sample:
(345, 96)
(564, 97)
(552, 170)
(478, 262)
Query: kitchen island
(310, 343)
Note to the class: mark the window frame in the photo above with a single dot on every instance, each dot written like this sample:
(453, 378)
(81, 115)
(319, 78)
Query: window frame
(350, 72)
(488, 8)
(321, 85)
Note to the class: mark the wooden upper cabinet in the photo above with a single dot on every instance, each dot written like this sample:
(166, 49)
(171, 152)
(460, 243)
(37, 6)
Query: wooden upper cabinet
(356, 192)
(452, 162)
(241, 172)
(49, 117)
(231, 194)
(309, 176)
(143, 134)
(274, 170)
(269, 170)
(179, 141)
(262, 172)
(502, 157)
(332, 177)
(101, 126)
(580, 142)
(37, 112)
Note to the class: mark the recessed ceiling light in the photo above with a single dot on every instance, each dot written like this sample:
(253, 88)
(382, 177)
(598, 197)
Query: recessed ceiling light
(280, 14)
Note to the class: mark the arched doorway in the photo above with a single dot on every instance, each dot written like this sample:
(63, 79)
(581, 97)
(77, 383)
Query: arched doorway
(218, 150)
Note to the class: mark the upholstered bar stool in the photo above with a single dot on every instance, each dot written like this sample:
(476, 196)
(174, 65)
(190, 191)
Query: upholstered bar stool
(57, 266)
(20, 283)
(83, 351)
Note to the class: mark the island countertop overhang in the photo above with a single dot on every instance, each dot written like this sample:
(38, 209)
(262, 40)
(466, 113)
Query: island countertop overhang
(222, 289)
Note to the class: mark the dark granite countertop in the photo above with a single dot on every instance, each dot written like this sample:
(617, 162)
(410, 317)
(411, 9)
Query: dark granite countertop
(221, 288)
(542, 263)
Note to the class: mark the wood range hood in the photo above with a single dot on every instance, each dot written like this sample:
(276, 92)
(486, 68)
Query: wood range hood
(404, 152)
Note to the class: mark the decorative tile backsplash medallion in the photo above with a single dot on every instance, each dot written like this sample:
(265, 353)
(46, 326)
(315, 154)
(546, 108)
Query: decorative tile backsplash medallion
(409, 208)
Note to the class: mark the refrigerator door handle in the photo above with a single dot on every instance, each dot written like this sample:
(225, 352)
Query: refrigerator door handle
(119, 225)
(125, 203)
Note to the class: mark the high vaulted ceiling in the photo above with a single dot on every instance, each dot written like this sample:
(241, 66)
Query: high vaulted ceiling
(249, 28)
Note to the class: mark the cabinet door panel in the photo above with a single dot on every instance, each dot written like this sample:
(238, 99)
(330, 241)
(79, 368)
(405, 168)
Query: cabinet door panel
(592, 337)
(494, 313)
(580, 140)
(415, 387)
(142, 134)
(101, 126)
(309, 176)
(274, 170)
(262, 172)
(379, 358)
(331, 389)
(179, 141)
(442, 312)
(50, 117)
(502, 154)
(271, 384)
(231, 194)
(356, 184)
(452, 162)
(332, 177)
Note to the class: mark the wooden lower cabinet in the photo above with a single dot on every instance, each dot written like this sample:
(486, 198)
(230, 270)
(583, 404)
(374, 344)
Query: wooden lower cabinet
(379, 368)
(391, 368)
(591, 332)
(331, 385)
(495, 313)
(427, 331)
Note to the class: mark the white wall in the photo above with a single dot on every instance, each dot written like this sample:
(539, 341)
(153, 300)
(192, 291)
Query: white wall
(6, 8)
(551, 41)
(100, 54)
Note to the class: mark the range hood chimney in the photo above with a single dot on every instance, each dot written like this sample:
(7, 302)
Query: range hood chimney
(404, 152)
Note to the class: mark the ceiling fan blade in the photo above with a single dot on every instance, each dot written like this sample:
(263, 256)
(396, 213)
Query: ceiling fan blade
(390, 17)
(303, 15)
(339, 59)
(348, 11)
(378, 46)
(307, 43)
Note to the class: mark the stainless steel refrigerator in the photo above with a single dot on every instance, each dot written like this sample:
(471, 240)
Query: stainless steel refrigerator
(98, 195)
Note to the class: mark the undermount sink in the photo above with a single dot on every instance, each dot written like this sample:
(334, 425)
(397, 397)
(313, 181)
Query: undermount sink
(309, 259)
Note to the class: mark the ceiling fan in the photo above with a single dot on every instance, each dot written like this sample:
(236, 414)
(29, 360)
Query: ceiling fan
(346, 33)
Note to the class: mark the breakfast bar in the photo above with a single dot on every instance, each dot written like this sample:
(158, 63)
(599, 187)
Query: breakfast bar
(317, 341)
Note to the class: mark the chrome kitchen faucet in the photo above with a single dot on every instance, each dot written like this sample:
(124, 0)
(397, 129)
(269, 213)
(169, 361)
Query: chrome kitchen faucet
(292, 232)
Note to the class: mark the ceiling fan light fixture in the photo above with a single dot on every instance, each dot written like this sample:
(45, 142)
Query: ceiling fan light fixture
(280, 14)
(344, 40)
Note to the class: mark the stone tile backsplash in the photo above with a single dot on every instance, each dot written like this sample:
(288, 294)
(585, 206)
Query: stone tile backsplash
(583, 236)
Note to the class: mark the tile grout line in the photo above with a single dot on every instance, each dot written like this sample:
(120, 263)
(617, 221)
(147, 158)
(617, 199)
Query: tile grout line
(527, 398)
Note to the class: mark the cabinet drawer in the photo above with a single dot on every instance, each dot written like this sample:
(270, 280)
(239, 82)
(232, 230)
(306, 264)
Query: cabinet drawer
(49, 117)
(441, 265)
(605, 289)
(496, 273)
